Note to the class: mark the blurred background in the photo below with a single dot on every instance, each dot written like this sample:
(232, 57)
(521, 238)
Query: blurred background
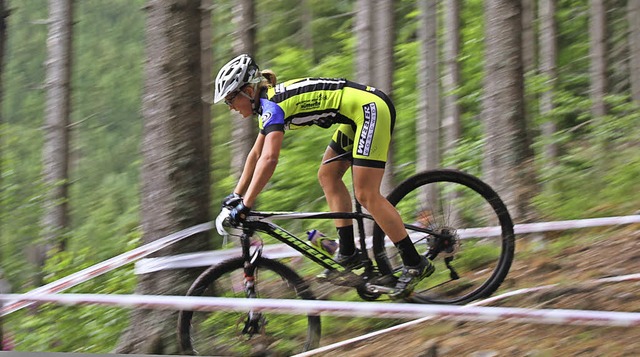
(538, 98)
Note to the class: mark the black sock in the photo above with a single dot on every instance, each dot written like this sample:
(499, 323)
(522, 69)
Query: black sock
(347, 243)
(408, 252)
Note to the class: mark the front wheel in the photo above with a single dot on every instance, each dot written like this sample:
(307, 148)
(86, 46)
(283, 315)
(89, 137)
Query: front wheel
(462, 224)
(248, 333)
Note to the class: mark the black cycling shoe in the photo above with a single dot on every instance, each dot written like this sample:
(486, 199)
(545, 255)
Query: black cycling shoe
(411, 276)
(349, 262)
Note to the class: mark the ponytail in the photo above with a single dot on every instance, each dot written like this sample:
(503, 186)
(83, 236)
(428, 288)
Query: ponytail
(269, 78)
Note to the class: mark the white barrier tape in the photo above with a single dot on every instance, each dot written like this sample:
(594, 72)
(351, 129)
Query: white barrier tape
(367, 336)
(574, 224)
(277, 251)
(104, 267)
(551, 226)
(193, 260)
(630, 277)
(615, 279)
(342, 308)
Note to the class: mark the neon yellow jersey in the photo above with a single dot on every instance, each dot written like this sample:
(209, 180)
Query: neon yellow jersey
(303, 102)
(365, 114)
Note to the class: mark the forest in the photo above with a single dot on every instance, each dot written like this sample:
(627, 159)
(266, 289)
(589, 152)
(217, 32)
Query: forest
(557, 136)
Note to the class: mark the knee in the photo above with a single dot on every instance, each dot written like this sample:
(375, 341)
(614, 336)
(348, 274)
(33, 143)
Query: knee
(331, 175)
(327, 178)
(367, 198)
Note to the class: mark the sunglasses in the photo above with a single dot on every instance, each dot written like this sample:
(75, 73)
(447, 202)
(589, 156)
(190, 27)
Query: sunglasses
(229, 100)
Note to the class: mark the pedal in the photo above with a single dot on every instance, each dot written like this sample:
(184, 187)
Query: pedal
(378, 289)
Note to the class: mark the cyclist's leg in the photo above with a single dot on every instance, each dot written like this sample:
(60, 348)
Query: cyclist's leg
(373, 115)
(367, 182)
(330, 174)
(336, 192)
(374, 118)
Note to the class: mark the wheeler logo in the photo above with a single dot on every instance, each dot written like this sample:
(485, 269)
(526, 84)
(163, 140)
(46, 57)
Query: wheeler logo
(368, 129)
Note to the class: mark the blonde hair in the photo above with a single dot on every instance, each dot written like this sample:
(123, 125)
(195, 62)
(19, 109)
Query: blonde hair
(268, 79)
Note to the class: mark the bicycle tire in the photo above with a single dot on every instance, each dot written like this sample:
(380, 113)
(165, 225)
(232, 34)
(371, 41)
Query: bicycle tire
(211, 333)
(459, 201)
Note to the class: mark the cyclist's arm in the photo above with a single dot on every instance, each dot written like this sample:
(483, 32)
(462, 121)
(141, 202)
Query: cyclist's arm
(265, 165)
(250, 166)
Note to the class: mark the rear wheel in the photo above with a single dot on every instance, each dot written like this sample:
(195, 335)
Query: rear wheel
(451, 212)
(241, 333)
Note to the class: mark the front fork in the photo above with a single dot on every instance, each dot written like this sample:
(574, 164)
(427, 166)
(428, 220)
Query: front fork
(255, 321)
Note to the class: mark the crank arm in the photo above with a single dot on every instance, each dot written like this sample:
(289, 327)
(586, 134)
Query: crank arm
(378, 289)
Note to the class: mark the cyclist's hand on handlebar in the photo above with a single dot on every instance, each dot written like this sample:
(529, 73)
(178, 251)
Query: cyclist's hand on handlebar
(222, 221)
(231, 217)
(232, 200)
(238, 214)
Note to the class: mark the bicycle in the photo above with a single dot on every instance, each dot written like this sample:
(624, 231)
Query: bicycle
(438, 207)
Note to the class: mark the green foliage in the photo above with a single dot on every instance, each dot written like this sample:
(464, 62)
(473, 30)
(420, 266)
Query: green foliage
(291, 62)
(595, 175)
(54, 328)
(104, 174)
(466, 156)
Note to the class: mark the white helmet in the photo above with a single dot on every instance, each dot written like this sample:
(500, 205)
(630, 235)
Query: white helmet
(234, 75)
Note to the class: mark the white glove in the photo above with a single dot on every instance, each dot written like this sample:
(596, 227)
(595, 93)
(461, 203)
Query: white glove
(222, 221)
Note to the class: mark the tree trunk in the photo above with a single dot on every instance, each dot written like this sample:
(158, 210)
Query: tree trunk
(598, 57)
(451, 77)
(548, 56)
(383, 41)
(244, 41)
(528, 52)
(364, 43)
(451, 126)
(174, 173)
(507, 154)
(55, 156)
(4, 14)
(428, 120)
(383, 65)
(528, 36)
(3, 39)
(633, 18)
(206, 65)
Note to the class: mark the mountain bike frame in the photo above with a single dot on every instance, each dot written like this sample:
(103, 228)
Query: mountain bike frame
(259, 221)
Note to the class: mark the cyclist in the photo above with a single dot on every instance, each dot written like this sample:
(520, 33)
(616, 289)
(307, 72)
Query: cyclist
(366, 118)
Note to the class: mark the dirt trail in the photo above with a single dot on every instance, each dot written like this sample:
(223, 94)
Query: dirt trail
(592, 255)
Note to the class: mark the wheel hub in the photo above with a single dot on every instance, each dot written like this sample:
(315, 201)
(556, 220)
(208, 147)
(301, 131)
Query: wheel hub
(445, 241)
